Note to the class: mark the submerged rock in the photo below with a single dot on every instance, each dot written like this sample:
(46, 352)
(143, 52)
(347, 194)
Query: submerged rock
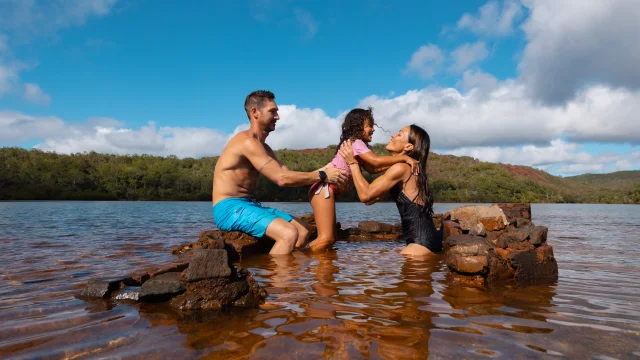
(162, 287)
(101, 288)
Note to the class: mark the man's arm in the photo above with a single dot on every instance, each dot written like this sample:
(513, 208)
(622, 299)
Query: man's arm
(272, 153)
(271, 168)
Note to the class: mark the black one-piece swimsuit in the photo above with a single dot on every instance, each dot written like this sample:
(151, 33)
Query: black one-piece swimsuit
(417, 225)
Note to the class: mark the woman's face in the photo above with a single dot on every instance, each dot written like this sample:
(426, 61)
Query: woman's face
(399, 140)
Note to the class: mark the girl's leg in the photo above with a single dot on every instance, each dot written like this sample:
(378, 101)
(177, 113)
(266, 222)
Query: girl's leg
(324, 211)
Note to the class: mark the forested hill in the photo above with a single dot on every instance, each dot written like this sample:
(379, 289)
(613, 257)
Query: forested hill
(37, 175)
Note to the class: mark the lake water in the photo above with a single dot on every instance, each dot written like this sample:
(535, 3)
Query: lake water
(363, 300)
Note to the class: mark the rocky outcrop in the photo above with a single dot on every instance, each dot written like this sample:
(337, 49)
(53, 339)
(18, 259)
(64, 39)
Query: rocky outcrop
(203, 278)
(237, 244)
(486, 250)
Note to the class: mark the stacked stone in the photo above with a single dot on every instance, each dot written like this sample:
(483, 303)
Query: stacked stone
(202, 279)
(483, 245)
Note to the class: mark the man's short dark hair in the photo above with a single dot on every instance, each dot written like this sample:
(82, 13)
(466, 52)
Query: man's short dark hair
(257, 99)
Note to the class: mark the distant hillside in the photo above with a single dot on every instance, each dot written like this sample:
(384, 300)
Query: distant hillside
(37, 175)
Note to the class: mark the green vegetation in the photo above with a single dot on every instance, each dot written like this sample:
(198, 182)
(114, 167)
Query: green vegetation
(38, 175)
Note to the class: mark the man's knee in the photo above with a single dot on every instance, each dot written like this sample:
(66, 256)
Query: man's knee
(289, 234)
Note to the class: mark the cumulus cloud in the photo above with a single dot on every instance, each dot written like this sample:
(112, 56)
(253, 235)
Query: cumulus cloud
(468, 54)
(493, 19)
(34, 94)
(572, 44)
(478, 81)
(426, 61)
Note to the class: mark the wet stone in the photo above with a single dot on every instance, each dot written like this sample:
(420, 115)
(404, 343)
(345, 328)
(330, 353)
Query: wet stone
(467, 245)
(467, 264)
(521, 222)
(101, 288)
(538, 235)
(206, 264)
(162, 287)
(375, 227)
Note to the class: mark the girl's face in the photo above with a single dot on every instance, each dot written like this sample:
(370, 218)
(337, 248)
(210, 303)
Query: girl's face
(368, 131)
(399, 140)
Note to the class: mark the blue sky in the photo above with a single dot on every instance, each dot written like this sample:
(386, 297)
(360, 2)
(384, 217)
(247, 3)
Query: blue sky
(503, 81)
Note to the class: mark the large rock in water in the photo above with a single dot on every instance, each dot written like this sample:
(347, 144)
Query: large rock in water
(504, 252)
(200, 279)
(237, 244)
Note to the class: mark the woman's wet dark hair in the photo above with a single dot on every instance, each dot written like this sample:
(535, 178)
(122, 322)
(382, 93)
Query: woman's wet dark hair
(353, 124)
(421, 142)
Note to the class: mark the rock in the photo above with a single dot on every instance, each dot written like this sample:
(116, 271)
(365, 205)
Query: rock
(437, 220)
(375, 227)
(478, 230)
(499, 268)
(522, 222)
(467, 245)
(493, 223)
(468, 216)
(538, 235)
(206, 264)
(101, 288)
(516, 210)
(237, 244)
(467, 280)
(514, 239)
(450, 228)
(492, 237)
(544, 253)
(467, 264)
(162, 287)
(129, 293)
(238, 289)
(397, 227)
(524, 263)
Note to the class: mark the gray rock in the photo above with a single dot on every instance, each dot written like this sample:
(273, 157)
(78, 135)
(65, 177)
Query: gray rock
(538, 235)
(129, 293)
(207, 264)
(101, 288)
(162, 287)
(521, 222)
(467, 245)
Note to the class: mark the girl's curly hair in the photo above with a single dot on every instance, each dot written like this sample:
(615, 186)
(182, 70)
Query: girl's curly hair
(353, 124)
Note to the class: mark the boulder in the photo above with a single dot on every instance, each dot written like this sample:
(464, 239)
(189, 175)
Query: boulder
(538, 235)
(206, 264)
(450, 228)
(516, 210)
(238, 245)
(374, 227)
(101, 288)
(162, 287)
(466, 245)
(492, 223)
(478, 230)
(468, 216)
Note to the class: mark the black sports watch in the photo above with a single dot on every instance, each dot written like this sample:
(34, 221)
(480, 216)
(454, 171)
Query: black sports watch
(323, 175)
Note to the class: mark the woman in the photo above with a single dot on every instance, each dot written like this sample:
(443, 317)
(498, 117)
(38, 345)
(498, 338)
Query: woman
(410, 192)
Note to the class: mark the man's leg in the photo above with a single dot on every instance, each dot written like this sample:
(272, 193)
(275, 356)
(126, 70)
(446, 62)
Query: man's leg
(284, 234)
(304, 231)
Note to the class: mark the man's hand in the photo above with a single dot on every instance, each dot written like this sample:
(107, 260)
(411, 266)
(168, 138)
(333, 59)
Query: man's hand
(336, 176)
(346, 151)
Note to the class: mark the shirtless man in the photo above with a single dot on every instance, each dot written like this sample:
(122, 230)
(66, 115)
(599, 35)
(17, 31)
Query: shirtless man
(236, 174)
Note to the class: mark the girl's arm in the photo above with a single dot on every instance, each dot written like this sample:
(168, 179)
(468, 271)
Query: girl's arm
(370, 193)
(376, 164)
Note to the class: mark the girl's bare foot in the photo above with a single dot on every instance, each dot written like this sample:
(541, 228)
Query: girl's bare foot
(321, 244)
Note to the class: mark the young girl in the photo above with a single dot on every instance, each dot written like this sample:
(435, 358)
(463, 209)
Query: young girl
(357, 127)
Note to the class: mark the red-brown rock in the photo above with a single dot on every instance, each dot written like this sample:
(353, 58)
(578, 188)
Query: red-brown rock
(544, 253)
(450, 228)
(374, 227)
(516, 210)
(494, 223)
(467, 264)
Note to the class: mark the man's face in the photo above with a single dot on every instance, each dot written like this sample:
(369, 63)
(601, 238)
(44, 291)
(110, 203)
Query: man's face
(268, 116)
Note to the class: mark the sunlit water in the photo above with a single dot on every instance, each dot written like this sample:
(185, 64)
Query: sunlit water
(363, 300)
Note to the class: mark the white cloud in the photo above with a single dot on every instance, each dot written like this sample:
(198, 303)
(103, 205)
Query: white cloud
(16, 127)
(468, 54)
(493, 19)
(306, 22)
(34, 94)
(8, 78)
(426, 61)
(304, 129)
(478, 81)
(574, 43)
(576, 169)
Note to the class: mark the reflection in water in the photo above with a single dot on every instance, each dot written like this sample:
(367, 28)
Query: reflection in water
(363, 300)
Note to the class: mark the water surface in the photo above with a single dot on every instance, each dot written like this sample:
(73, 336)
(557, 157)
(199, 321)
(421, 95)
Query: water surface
(363, 300)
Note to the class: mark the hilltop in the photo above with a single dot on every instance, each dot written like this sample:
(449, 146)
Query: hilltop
(38, 175)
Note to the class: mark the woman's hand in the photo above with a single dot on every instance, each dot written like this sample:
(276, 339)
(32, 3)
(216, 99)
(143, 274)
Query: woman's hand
(415, 165)
(346, 151)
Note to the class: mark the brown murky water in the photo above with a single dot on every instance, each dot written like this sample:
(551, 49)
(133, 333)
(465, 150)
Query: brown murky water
(363, 300)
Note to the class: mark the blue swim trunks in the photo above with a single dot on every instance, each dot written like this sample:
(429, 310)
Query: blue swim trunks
(246, 215)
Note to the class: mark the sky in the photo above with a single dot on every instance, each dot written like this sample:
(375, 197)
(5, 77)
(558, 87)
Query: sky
(544, 83)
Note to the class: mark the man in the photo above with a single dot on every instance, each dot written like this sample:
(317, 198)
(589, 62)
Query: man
(245, 157)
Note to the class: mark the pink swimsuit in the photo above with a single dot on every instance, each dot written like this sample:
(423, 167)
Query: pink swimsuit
(359, 147)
